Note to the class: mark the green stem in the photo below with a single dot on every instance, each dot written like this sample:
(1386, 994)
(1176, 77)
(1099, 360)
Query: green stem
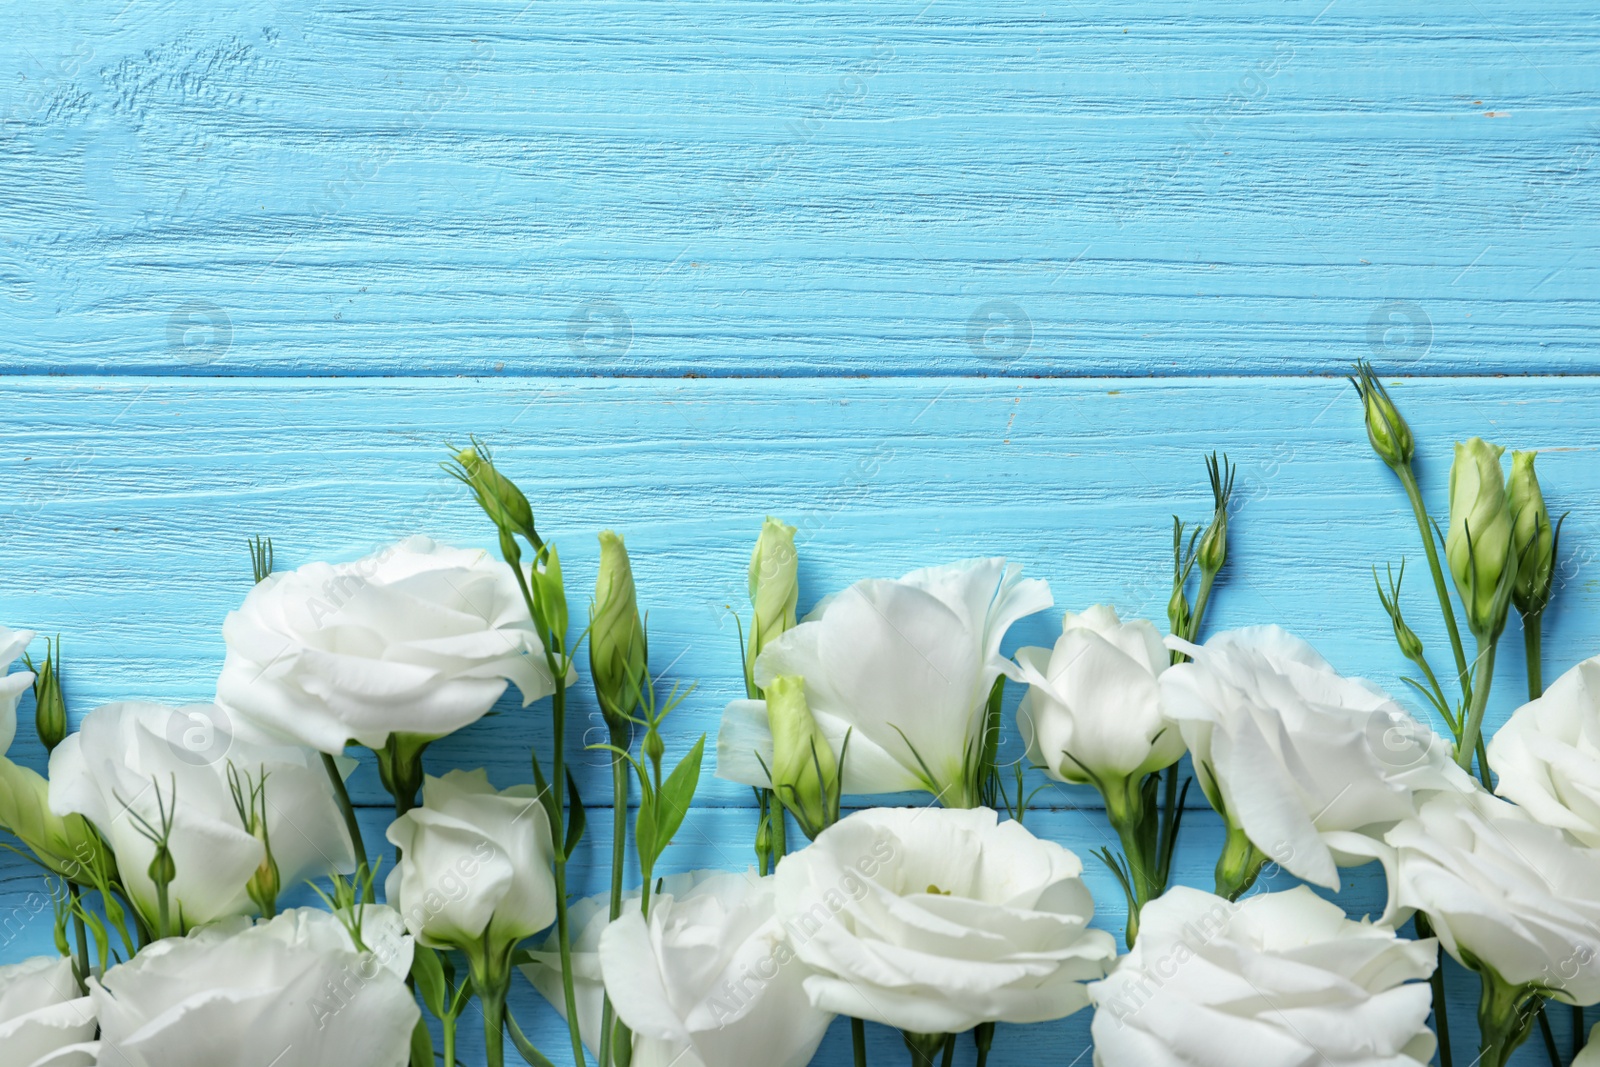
(342, 796)
(619, 856)
(983, 1037)
(1207, 580)
(82, 937)
(949, 1050)
(1532, 639)
(494, 1027)
(1125, 811)
(558, 782)
(447, 1026)
(1425, 528)
(1577, 1029)
(1473, 730)
(858, 1041)
(1441, 1022)
(780, 832)
(923, 1047)
(1549, 1038)
(163, 912)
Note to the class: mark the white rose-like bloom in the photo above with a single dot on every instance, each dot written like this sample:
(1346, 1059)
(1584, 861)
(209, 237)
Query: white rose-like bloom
(42, 1016)
(1276, 980)
(12, 686)
(294, 988)
(475, 873)
(707, 981)
(1313, 766)
(1093, 700)
(905, 667)
(417, 639)
(935, 920)
(1548, 755)
(1500, 889)
(125, 755)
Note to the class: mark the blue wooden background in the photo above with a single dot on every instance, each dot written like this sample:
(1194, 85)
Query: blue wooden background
(926, 279)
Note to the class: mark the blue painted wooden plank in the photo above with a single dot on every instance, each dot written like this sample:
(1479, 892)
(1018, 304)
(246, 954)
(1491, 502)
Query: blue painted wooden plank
(528, 188)
(128, 502)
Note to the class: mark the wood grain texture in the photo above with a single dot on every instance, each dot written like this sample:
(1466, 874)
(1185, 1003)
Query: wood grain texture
(538, 187)
(131, 498)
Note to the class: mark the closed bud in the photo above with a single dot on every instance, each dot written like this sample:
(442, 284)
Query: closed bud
(617, 657)
(1410, 644)
(1532, 535)
(1478, 546)
(162, 871)
(265, 886)
(654, 747)
(1214, 542)
(1178, 611)
(497, 495)
(774, 588)
(50, 707)
(805, 774)
(65, 844)
(1387, 431)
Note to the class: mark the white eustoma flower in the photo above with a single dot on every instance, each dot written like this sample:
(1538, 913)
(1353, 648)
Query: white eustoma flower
(475, 873)
(1590, 1056)
(1548, 755)
(1311, 765)
(935, 920)
(905, 667)
(12, 644)
(293, 990)
(128, 758)
(1504, 892)
(43, 1018)
(706, 981)
(418, 639)
(1093, 706)
(1276, 980)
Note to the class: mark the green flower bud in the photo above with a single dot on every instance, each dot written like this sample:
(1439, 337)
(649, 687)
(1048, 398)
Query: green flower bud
(654, 747)
(805, 774)
(1478, 546)
(499, 497)
(162, 871)
(617, 651)
(50, 707)
(1386, 429)
(67, 845)
(1410, 644)
(1178, 611)
(1532, 534)
(1214, 542)
(774, 589)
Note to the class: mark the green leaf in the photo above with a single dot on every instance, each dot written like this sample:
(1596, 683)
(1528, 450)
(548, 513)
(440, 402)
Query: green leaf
(575, 813)
(533, 1056)
(421, 1045)
(428, 976)
(677, 793)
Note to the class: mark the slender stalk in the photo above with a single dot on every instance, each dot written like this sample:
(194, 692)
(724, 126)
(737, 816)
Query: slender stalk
(82, 936)
(1207, 580)
(1425, 528)
(1473, 729)
(949, 1050)
(1549, 1038)
(558, 782)
(447, 1026)
(858, 1041)
(494, 1027)
(1532, 640)
(163, 912)
(342, 796)
(619, 856)
(1577, 1029)
(1441, 1022)
(983, 1037)
(780, 832)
